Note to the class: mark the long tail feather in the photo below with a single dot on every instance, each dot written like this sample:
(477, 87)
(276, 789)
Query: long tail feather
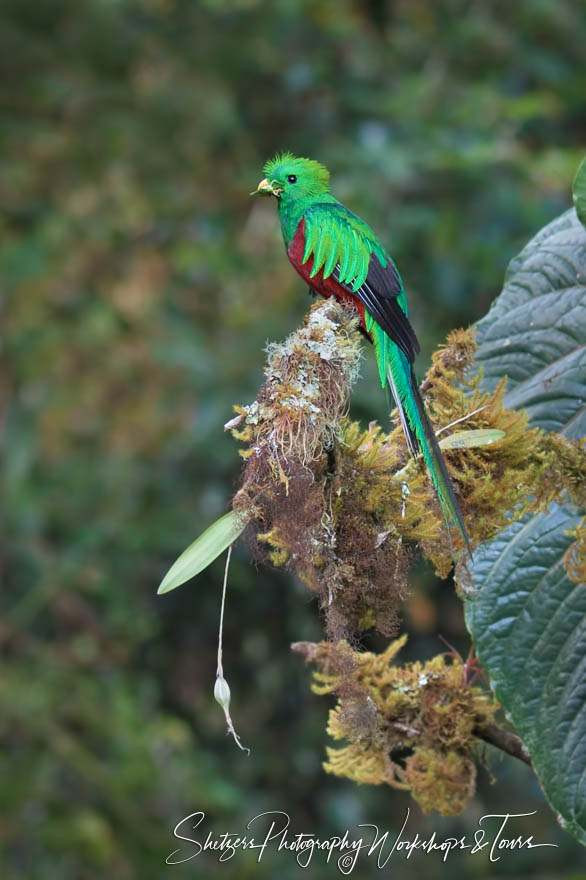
(421, 437)
(410, 435)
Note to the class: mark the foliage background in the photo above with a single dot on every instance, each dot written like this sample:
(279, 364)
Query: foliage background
(139, 284)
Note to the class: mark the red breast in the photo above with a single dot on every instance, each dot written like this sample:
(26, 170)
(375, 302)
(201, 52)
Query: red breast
(324, 286)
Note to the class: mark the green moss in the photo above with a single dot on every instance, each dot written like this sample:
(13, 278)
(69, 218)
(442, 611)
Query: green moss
(429, 709)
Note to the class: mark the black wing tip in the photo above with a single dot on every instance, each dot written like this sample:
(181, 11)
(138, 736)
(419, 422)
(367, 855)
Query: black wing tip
(458, 523)
(467, 542)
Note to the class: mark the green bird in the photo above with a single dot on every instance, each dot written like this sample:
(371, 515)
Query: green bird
(339, 255)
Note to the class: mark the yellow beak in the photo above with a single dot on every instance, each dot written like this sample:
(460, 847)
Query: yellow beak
(267, 188)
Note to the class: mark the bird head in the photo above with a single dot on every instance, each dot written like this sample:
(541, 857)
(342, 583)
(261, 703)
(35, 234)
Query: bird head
(289, 178)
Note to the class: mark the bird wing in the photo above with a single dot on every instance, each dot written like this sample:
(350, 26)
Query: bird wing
(344, 246)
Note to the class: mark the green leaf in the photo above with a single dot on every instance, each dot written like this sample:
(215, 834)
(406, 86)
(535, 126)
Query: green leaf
(528, 621)
(472, 438)
(204, 550)
(579, 192)
(535, 332)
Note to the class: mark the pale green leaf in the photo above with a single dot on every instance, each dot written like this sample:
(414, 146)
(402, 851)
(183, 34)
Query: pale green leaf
(472, 438)
(204, 550)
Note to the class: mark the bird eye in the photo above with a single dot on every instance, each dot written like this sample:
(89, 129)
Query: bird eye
(292, 178)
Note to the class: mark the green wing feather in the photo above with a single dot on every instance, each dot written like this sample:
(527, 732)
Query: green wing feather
(335, 236)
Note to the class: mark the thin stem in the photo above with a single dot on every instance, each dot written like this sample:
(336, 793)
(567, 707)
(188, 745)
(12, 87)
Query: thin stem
(462, 419)
(221, 688)
(220, 670)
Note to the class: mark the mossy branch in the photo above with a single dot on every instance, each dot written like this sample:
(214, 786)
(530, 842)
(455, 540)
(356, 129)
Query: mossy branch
(406, 724)
(344, 508)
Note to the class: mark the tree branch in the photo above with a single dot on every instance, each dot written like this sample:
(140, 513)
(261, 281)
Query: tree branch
(505, 741)
(491, 733)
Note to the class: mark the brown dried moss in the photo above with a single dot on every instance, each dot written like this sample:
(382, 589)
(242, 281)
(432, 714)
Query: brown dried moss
(311, 478)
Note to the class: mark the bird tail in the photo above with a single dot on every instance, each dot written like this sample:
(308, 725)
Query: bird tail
(420, 435)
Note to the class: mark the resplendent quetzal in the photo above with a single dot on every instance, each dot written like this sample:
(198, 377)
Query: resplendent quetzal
(339, 255)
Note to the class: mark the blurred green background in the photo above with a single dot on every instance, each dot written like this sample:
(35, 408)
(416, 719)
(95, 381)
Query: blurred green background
(139, 284)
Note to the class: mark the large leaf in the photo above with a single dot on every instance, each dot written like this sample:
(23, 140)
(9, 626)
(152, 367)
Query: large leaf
(528, 621)
(527, 618)
(535, 332)
(579, 192)
(204, 550)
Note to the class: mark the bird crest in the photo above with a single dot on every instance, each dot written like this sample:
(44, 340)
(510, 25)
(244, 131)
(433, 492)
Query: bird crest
(314, 174)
